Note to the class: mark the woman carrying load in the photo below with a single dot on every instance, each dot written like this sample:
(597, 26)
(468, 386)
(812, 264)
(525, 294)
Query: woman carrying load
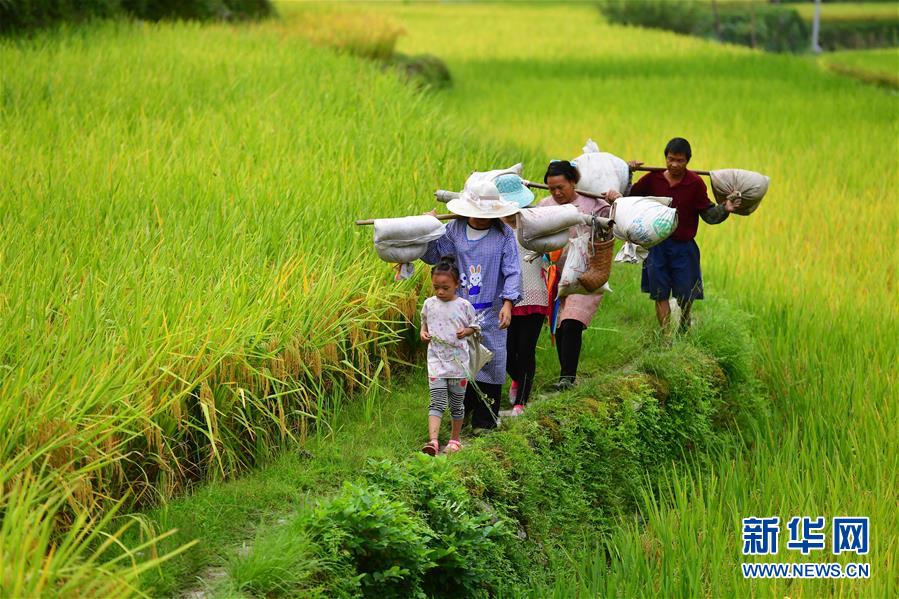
(577, 310)
(528, 314)
(487, 256)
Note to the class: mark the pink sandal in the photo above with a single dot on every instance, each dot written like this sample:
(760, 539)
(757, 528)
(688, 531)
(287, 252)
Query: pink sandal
(452, 446)
(431, 447)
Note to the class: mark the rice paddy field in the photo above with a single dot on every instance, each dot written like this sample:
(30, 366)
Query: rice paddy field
(874, 66)
(183, 295)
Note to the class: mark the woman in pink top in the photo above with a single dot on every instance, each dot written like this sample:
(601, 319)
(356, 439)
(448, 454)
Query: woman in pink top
(577, 310)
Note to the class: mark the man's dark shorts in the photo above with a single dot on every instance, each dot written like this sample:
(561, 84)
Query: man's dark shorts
(672, 268)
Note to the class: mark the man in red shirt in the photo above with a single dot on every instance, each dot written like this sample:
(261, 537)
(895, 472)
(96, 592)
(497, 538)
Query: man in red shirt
(672, 267)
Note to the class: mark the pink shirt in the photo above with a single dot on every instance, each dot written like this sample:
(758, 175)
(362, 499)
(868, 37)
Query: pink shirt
(581, 307)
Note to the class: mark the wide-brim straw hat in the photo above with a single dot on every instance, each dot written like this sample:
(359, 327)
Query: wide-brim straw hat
(482, 199)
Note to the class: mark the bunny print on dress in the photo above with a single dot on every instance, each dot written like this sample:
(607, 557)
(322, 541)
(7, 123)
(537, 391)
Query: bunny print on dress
(475, 280)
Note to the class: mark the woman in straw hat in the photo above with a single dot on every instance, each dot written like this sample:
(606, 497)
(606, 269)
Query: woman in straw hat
(576, 310)
(487, 256)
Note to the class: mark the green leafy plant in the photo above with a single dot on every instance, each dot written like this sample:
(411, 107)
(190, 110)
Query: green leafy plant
(378, 537)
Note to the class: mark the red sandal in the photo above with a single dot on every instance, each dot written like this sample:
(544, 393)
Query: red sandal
(431, 447)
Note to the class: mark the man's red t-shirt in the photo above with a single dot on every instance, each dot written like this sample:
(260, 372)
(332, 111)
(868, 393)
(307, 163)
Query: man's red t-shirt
(690, 197)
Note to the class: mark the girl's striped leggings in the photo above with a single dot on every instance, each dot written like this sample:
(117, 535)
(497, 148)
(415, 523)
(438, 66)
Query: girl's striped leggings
(445, 391)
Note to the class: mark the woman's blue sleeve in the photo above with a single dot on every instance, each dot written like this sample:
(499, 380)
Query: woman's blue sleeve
(511, 270)
(439, 248)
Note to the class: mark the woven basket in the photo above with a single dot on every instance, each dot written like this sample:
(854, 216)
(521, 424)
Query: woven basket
(599, 266)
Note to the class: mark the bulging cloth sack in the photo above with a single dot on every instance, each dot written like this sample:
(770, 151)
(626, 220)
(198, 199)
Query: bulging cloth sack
(406, 239)
(734, 183)
(478, 355)
(646, 221)
(545, 228)
(601, 171)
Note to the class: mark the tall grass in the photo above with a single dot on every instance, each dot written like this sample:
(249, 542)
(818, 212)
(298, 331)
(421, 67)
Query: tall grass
(816, 265)
(880, 67)
(183, 290)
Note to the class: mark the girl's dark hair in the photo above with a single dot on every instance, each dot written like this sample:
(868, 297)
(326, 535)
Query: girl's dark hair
(679, 145)
(447, 264)
(564, 168)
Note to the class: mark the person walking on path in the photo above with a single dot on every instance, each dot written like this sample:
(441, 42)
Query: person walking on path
(672, 267)
(487, 256)
(528, 316)
(576, 310)
(446, 321)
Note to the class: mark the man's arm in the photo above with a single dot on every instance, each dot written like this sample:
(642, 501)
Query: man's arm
(714, 214)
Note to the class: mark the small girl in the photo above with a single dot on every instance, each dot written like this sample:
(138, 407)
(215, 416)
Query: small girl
(446, 320)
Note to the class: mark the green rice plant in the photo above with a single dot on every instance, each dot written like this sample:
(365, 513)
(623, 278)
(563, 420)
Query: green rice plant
(181, 295)
(880, 67)
(38, 562)
(365, 34)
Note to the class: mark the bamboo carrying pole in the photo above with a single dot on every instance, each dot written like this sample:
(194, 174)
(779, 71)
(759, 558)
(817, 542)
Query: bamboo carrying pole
(595, 196)
(442, 195)
(371, 221)
(655, 169)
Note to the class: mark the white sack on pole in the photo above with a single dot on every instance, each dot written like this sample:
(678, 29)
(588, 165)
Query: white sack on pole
(406, 239)
(601, 171)
(645, 221)
(734, 183)
(545, 228)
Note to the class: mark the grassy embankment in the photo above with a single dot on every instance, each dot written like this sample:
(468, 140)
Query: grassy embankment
(816, 265)
(543, 477)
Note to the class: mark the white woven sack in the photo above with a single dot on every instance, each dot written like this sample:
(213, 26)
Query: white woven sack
(477, 176)
(401, 254)
(546, 220)
(408, 230)
(750, 187)
(646, 221)
(547, 243)
(601, 171)
(406, 239)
